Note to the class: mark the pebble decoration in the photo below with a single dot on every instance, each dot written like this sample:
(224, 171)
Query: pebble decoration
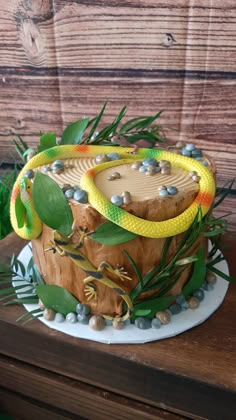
(83, 314)
(190, 150)
(166, 191)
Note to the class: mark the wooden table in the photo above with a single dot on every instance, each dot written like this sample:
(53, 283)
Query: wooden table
(46, 374)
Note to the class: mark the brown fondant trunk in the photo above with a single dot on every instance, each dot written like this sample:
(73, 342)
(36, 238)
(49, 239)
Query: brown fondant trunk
(146, 252)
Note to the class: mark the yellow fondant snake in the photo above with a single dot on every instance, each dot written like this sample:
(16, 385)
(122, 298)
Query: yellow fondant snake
(26, 223)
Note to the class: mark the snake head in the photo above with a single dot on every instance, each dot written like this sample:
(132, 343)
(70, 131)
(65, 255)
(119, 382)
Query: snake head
(25, 189)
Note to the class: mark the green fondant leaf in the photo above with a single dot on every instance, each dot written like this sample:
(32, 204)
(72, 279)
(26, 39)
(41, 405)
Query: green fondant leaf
(199, 274)
(57, 298)
(51, 204)
(46, 141)
(152, 306)
(20, 212)
(109, 233)
(142, 312)
(74, 132)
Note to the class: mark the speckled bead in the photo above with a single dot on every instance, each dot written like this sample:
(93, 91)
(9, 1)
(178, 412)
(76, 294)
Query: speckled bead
(66, 187)
(82, 309)
(49, 314)
(165, 170)
(136, 165)
(151, 170)
(83, 319)
(143, 323)
(116, 175)
(97, 323)
(117, 200)
(69, 193)
(190, 147)
(71, 318)
(117, 325)
(172, 190)
(156, 323)
(196, 153)
(113, 156)
(175, 309)
(29, 174)
(196, 178)
(142, 168)
(58, 166)
(180, 299)
(199, 294)
(164, 163)
(162, 187)
(211, 277)
(179, 145)
(101, 158)
(47, 169)
(193, 302)
(163, 193)
(207, 286)
(186, 152)
(59, 317)
(81, 196)
(126, 197)
(184, 305)
(192, 173)
(149, 161)
(164, 317)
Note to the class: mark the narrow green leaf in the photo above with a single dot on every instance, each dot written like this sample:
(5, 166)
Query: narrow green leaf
(135, 267)
(22, 301)
(187, 260)
(29, 314)
(57, 213)
(12, 289)
(198, 276)
(20, 212)
(221, 274)
(109, 233)
(73, 133)
(47, 140)
(223, 193)
(57, 298)
(214, 232)
(97, 120)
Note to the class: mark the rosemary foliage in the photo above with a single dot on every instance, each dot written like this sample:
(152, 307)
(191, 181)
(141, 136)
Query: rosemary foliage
(163, 277)
(19, 286)
(87, 131)
(7, 179)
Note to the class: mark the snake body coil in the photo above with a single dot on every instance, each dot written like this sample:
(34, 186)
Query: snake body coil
(31, 226)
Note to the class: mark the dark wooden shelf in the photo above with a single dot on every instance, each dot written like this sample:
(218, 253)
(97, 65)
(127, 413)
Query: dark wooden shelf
(44, 372)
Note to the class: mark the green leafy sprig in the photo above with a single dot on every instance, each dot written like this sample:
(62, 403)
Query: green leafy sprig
(22, 285)
(7, 179)
(88, 131)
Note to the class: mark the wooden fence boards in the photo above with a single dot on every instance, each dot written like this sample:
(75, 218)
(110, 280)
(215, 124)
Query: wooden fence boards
(60, 60)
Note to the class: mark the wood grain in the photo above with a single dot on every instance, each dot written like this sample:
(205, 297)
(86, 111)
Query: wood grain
(71, 397)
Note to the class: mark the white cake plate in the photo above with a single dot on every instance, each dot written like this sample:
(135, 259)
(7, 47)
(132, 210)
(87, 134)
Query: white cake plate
(130, 334)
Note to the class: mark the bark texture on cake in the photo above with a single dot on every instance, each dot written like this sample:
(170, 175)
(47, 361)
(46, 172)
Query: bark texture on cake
(146, 252)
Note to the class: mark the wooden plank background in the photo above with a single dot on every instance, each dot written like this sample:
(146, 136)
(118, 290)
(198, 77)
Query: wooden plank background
(60, 60)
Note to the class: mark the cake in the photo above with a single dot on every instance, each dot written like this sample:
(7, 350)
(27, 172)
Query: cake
(123, 231)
